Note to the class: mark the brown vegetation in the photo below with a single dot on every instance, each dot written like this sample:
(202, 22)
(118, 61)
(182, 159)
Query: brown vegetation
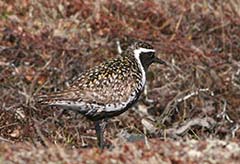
(44, 43)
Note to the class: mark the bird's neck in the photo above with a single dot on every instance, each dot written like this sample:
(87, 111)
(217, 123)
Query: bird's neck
(141, 69)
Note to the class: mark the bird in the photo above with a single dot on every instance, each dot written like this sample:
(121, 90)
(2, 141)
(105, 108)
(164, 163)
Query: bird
(108, 89)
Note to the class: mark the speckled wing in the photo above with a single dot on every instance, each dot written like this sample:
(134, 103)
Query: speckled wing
(105, 88)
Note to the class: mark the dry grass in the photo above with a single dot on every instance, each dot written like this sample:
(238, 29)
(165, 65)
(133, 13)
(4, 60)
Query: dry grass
(43, 44)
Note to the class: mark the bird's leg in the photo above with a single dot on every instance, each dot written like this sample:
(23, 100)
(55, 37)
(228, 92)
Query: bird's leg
(100, 127)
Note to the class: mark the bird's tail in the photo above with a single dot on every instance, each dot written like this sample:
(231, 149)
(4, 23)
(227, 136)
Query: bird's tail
(42, 99)
(47, 99)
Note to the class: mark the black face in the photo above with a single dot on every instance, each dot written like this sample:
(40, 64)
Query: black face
(147, 58)
(143, 51)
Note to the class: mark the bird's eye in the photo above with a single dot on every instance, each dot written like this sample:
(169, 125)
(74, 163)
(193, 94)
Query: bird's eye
(152, 54)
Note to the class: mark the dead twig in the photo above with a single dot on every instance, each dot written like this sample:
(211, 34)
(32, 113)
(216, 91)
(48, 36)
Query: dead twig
(181, 97)
(234, 130)
(44, 140)
(6, 140)
(224, 114)
(206, 122)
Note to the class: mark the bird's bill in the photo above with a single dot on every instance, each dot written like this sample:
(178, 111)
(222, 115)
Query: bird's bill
(160, 61)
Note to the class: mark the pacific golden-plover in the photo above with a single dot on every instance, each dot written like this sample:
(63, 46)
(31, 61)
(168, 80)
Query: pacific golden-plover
(109, 89)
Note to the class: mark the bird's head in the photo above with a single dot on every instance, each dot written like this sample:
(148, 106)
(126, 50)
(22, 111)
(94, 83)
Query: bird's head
(144, 53)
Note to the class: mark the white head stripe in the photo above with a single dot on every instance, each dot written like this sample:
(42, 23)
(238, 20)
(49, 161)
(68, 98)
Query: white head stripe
(139, 50)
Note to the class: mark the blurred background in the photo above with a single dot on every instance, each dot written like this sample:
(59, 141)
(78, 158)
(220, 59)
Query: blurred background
(44, 44)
